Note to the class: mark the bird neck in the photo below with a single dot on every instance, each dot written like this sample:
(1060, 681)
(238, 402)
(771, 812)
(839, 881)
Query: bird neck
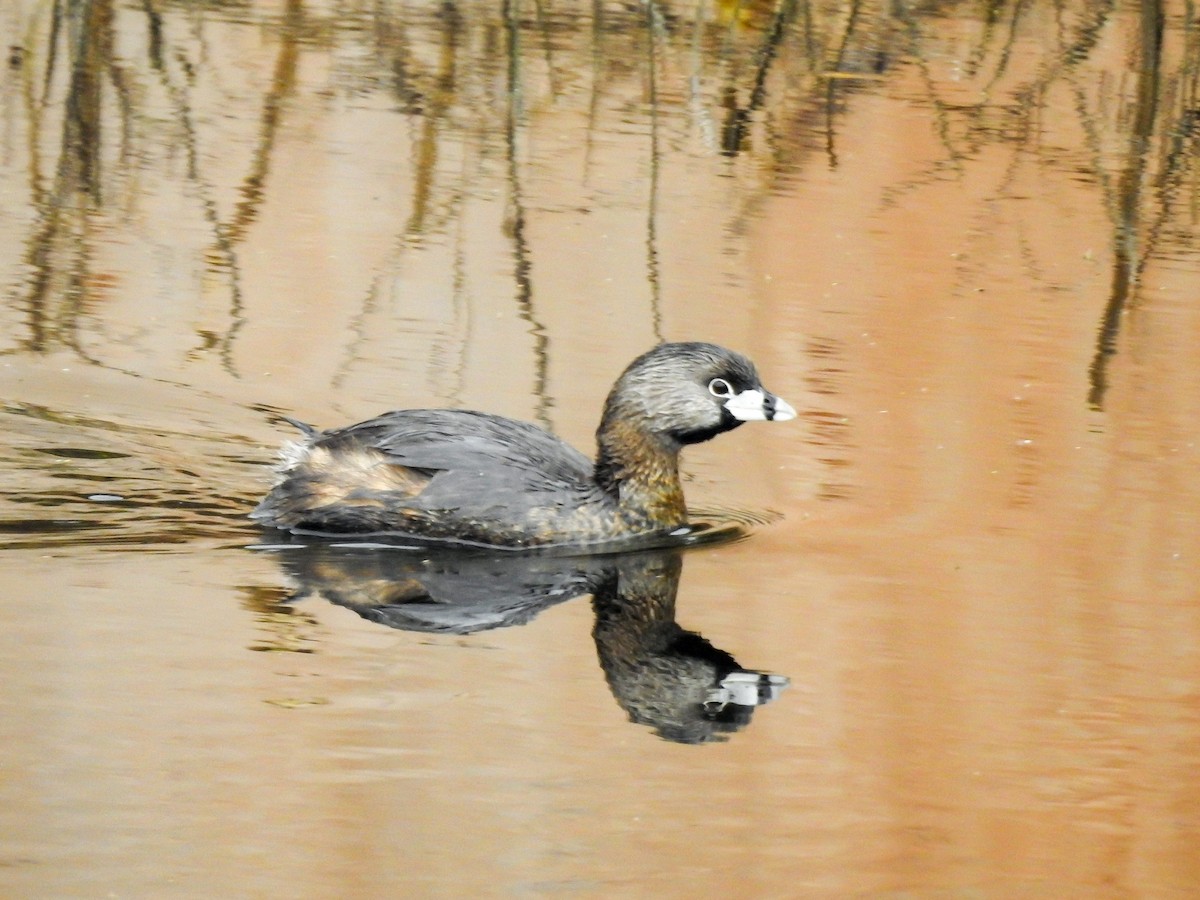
(640, 470)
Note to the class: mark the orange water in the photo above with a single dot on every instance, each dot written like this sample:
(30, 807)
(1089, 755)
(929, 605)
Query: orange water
(959, 239)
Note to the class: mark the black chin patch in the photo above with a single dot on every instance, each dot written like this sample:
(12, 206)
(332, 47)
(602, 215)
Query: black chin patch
(700, 435)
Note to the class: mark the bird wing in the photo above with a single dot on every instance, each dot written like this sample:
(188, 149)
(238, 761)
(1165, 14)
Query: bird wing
(472, 443)
(481, 466)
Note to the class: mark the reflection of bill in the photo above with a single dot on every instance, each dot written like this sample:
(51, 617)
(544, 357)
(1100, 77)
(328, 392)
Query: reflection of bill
(661, 674)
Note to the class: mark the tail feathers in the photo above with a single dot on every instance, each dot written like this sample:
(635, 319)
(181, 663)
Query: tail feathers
(301, 503)
(277, 509)
(284, 506)
(309, 430)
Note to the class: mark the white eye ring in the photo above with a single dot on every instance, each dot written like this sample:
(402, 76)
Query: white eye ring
(719, 387)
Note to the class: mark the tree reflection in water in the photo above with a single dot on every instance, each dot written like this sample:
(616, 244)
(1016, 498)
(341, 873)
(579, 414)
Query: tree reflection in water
(108, 105)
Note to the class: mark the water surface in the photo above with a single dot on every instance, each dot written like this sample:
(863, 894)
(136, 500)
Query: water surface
(958, 238)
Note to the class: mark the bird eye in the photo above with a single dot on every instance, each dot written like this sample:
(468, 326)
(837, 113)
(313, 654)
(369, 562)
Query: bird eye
(719, 387)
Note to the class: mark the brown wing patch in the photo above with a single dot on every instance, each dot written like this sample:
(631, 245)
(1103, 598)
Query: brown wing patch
(359, 476)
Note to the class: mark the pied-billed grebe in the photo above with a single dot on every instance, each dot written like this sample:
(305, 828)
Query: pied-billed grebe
(470, 477)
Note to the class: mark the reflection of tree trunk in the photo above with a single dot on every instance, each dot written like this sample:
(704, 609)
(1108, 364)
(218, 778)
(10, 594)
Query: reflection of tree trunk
(283, 84)
(79, 165)
(1127, 261)
(432, 118)
(738, 119)
(253, 190)
(58, 249)
(653, 275)
(831, 86)
(431, 107)
(523, 266)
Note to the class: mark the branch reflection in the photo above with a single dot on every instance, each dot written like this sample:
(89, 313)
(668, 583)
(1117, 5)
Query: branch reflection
(179, 132)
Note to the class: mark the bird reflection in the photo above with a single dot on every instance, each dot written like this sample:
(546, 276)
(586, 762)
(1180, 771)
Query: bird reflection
(661, 674)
